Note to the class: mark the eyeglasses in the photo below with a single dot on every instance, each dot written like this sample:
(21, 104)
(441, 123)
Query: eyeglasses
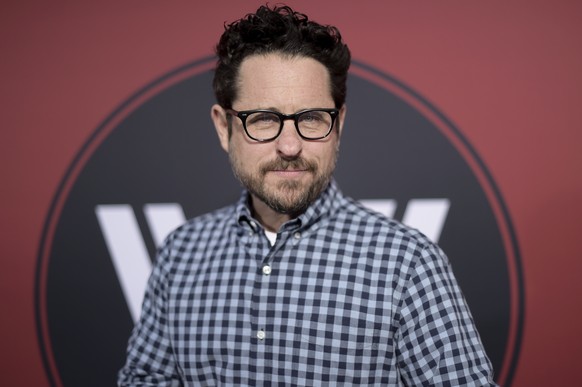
(266, 125)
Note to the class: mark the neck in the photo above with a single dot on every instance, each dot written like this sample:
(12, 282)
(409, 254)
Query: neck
(269, 218)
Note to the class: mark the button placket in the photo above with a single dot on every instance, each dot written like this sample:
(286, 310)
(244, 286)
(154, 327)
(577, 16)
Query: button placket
(261, 295)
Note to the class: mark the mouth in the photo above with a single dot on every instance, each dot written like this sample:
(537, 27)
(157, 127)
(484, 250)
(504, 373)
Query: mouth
(293, 169)
(289, 173)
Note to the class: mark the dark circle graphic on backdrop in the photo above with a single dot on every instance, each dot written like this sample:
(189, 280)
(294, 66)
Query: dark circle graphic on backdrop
(160, 147)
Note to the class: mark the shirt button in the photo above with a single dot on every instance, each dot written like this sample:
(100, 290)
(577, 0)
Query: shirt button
(261, 335)
(267, 270)
(297, 235)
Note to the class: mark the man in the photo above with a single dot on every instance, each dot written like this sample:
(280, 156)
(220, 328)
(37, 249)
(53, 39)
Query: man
(297, 284)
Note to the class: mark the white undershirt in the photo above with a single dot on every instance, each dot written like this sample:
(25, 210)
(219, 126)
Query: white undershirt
(271, 236)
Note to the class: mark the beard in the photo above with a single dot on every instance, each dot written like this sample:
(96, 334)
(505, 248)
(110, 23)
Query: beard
(290, 197)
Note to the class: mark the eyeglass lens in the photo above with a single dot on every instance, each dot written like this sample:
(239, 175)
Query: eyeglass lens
(311, 124)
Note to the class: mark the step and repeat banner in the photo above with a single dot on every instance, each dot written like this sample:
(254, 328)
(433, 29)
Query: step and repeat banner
(461, 122)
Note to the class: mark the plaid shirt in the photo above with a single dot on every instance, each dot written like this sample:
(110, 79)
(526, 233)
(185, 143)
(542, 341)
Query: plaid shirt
(345, 296)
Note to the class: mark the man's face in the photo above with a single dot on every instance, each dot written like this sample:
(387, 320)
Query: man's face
(288, 173)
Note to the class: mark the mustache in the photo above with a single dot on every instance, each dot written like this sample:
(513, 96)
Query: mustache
(282, 165)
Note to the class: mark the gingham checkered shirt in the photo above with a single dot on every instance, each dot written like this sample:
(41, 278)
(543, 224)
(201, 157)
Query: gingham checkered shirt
(344, 297)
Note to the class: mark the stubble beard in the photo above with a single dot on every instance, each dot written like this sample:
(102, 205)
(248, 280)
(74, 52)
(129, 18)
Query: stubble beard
(290, 197)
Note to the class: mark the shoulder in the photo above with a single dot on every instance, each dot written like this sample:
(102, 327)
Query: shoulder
(353, 215)
(217, 219)
(359, 230)
(197, 233)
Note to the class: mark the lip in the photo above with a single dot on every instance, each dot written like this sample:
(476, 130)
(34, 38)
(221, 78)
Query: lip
(289, 173)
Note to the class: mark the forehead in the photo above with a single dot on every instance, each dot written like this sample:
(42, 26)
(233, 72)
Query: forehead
(283, 82)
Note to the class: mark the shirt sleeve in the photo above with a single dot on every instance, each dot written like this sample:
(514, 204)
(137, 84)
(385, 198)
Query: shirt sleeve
(438, 343)
(150, 360)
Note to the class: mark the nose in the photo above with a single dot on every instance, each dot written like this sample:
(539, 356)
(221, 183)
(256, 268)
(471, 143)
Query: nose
(289, 143)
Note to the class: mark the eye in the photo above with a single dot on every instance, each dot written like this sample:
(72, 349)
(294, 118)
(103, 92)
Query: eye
(311, 117)
(262, 118)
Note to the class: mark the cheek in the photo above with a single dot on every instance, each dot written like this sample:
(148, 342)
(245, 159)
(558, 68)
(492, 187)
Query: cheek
(248, 156)
(326, 155)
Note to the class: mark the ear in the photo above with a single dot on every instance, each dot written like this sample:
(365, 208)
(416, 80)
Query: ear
(341, 119)
(220, 121)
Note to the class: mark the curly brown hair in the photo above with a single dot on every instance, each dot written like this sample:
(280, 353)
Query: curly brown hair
(279, 30)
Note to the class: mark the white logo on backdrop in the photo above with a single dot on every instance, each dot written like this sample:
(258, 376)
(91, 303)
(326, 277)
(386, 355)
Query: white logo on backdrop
(133, 264)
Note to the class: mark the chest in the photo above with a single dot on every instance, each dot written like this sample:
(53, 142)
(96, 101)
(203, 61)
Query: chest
(292, 307)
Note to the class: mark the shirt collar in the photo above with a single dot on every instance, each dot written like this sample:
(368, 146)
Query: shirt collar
(323, 205)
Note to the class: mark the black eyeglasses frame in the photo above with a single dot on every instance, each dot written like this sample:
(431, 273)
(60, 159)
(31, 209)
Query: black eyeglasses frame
(244, 114)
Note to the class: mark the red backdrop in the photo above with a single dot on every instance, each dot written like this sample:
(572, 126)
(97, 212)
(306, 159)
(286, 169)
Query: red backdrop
(507, 73)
